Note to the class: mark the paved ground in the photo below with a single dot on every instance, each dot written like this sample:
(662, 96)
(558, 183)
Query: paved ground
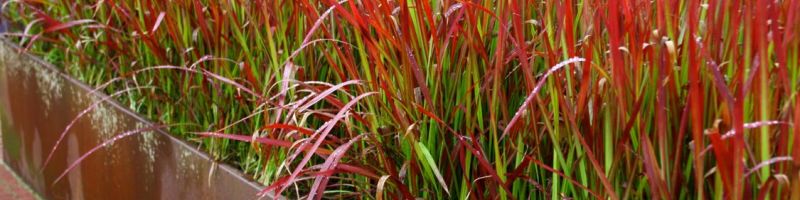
(11, 187)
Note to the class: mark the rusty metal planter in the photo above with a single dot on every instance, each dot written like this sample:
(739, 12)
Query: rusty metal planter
(37, 102)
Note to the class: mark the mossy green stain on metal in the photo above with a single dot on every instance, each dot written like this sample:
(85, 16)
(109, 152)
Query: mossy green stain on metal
(11, 141)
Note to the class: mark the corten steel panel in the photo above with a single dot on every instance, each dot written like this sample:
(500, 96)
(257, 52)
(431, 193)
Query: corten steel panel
(37, 101)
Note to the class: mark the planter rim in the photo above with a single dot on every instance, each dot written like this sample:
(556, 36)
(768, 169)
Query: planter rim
(218, 166)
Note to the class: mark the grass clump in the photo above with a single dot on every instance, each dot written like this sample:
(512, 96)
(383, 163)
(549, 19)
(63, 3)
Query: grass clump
(455, 99)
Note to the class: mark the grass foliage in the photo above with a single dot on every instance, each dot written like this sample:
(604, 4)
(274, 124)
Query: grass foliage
(455, 99)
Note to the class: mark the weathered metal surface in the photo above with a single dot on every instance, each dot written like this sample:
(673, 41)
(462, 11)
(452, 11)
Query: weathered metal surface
(37, 102)
(11, 186)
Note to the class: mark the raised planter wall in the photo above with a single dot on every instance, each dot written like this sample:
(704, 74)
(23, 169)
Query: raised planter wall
(37, 102)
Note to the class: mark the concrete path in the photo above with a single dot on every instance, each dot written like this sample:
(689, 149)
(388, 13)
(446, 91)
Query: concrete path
(11, 187)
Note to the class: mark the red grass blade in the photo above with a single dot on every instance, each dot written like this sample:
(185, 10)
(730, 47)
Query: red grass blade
(261, 140)
(104, 144)
(322, 132)
(321, 182)
(535, 91)
(78, 117)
